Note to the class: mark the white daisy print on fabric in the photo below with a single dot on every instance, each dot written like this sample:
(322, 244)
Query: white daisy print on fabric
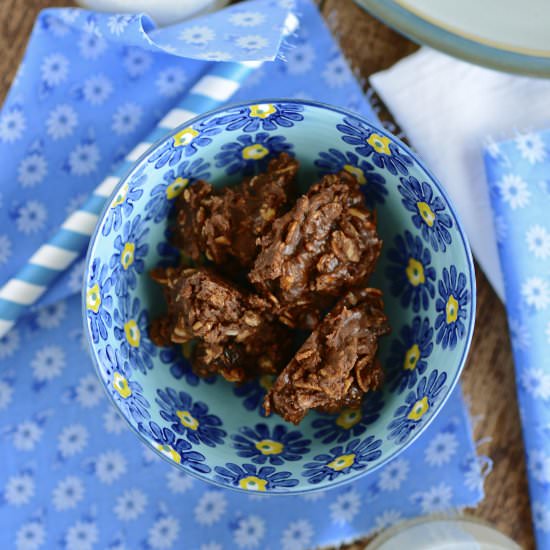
(531, 147)
(300, 60)
(83, 159)
(61, 122)
(252, 42)
(54, 69)
(197, 35)
(441, 449)
(97, 89)
(217, 56)
(76, 276)
(538, 241)
(210, 508)
(68, 15)
(19, 490)
(48, 363)
(9, 343)
(137, 61)
(163, 533)
(336, 73)
(12, 125)
(538, 466)
(109, 466)
(547, 331)
(31, 217)
(541, 516)
(171, 81)
(387, 519)
(68, 493)
(247, 18)
(435, 499)
(519, 333)
(26, 435)
(117, 23)
(313, 497)
(474, 473)
(32, 170)
(249, 532)
(51, 316)
(345, 507)
(30, 536)
(536, 382)
(5, 250)
(72, 440)
(6, 394)
(130, 505)
(393, 475)
(513, 191)
(536, 293)
(88, 391)
(126, 118)
(178, 482)
(91, 43)
(82, 535)
(297, 535)
(56, 26)
(113, 421)
(492, 147)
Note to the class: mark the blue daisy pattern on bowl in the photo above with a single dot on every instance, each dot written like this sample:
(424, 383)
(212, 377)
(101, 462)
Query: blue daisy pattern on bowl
(249, 152)
(429, 212)
(261, 445)
(98, 301)
(174, 182)
(174, 448)
(350, 422)
(190, 418)
(373, 184)
(451, 307)
(129, 259)
(418, 407)
(130, 330)
(342, 460)
(409, 355)
(263, 116)
(123, 203)
(410, 272)
(127, 393)
(254, 478)
(253, 392)
(376, 147)
(180, 366)
(184, 143)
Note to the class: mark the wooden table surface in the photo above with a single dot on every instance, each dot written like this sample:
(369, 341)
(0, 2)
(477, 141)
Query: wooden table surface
(488, 380)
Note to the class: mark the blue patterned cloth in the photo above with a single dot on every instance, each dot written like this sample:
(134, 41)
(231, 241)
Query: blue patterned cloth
(72, 475)
(518, 172)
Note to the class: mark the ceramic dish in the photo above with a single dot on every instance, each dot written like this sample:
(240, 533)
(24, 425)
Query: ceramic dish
(503, 34)
(214, 430)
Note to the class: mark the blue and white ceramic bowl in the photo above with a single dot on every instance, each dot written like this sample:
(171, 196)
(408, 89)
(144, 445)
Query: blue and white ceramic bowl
(214, 430)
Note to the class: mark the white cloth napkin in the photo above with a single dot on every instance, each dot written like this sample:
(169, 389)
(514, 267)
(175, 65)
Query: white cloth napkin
(449, 110)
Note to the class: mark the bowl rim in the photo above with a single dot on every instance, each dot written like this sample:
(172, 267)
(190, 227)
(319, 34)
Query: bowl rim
(471, 275)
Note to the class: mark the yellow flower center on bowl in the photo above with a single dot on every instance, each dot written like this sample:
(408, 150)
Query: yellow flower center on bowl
(415, 272)
(188, 420)
(263, 110)
(127, 256)
(348, 418)
(176, 187)
(451, 310)
(357, 172)
(185, 137)
(253, 483)
(342, 462)
(93, 298)
(381, 144)
(121, 385)
(120, 196)
(168, 451)
(256, 151)
(419, 409)
(132, 332)
(269, 447)
(426, 212)
(411, 357)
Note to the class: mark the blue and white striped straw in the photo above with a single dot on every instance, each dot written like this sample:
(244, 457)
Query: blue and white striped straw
(52, 258)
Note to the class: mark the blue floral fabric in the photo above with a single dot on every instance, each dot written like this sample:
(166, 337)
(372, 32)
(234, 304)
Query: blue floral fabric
(72, 475)
(518, 173)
